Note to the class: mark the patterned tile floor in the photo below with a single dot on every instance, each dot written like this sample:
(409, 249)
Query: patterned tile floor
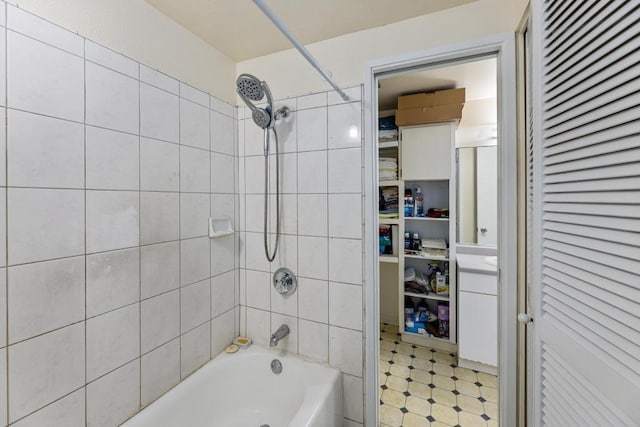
(420, 386)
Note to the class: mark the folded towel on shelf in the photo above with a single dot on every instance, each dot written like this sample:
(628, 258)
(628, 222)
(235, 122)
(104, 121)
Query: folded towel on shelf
(388, 169)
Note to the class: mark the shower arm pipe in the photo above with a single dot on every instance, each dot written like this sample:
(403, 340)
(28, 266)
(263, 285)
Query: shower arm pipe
(303, 50)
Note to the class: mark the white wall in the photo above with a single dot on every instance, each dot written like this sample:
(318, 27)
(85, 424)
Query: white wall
(141, 32)
(288, 74)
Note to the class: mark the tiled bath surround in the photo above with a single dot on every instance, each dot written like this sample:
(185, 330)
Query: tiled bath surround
(322, 231)
(110, 290)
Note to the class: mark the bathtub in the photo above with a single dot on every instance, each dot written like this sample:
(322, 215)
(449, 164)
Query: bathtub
(240, 390)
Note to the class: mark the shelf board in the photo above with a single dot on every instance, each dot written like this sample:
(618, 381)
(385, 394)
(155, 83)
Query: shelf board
(388, 144)
(427, 296)
(390, 183)
(430, 258)
(413, 334)
(426, 218)
(388, 258)
(389, 221)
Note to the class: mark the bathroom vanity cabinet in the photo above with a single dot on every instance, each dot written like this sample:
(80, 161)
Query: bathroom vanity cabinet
(426, 160)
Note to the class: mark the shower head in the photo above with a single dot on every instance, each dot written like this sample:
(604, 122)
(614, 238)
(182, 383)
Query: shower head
(250, 88)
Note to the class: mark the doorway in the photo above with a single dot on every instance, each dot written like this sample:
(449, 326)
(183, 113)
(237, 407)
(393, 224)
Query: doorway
(443, 353)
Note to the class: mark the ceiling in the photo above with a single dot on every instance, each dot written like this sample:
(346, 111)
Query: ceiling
(239, 29)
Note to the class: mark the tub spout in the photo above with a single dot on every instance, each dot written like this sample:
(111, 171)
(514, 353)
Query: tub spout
(282, 332)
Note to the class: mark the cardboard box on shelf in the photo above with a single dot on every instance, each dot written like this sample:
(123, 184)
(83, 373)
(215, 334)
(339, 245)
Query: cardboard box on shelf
(432, 99)
(423, 115)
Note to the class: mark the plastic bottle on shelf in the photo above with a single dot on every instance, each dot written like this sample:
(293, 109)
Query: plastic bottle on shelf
(407, 241)
(415, 242)
(408, 203)
(419, 203)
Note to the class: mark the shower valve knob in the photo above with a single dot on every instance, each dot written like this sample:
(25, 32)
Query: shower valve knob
(284, 281)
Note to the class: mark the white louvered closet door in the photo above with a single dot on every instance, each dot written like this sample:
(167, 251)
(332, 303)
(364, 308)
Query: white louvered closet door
(587, 326)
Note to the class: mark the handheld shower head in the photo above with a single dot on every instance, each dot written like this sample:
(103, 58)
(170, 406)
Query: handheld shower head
(250, 88)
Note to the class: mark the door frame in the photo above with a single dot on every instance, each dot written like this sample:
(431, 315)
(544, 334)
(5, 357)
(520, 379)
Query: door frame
(503, 46)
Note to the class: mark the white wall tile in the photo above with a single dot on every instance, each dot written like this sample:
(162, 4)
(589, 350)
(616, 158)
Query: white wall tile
(222, 254)
(194, 170)
(345, 350)
(113, 280)
(111, 99)
(312, 129)
(222, 332)
(313, 299)
(313, 340)
(194, 95)
(259, 326)
(195, 347)
(345, 305)
(288, 213)
(221, 106)
(254, 180)
(254, 251)
(290, 342)
(43, 79)
(44, 369)
(254, 204)
(160, 320)
(159, 217)
(3, 68)
(45, 224)
(222, 293)
(222, 133)
(33, 26)
(3, 320)
(194, 260)
(160, 371)
(288, 173)
(344, 129)
(113, 160)
(113, 220)
(159, 165)
(159, 268)
(345, 215)
(345, 261)
(194, 124)
(312, 172)
(222, 173)
(3, 135)
(44, 152)
(159, 114)
(195, 305)
(114, 397)
(258, 287)
(354, 94)
(283, 304)
(68, 411)
(3, 227)
(312, 215)
(222, 205)
(287, 255)
(113, 339)
(3, 389)
(111, 59)
(314, 261)
(254, 139)
(353, 397)
(345, 171)
(194, 215)
(312, 101)
(44, 296)
(287, 135)
(159, 80)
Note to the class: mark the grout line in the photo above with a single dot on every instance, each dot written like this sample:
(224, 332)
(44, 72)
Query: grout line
(84, 147)
(139, 241)
(5, 315)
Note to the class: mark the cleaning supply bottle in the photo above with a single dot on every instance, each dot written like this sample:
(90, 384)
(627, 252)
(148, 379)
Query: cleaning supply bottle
(408, 203)
(419, 203)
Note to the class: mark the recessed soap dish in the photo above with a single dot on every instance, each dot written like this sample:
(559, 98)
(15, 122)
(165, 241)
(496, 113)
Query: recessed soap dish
(219, 227)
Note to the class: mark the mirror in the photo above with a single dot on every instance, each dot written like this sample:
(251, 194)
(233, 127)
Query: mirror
(477, 210)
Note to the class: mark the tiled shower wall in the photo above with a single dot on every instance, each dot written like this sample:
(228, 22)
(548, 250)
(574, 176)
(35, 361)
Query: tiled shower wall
(110, 290)
(322, 231)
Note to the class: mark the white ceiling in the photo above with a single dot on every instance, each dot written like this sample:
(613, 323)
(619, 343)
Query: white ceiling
(238, 28)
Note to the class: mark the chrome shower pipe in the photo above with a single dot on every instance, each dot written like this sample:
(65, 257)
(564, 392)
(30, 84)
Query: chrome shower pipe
(303, 50)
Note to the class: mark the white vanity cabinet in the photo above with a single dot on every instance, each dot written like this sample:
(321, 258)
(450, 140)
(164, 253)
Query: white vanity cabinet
(477, 314)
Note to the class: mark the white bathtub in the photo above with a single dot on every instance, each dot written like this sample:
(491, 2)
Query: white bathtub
(240, 390)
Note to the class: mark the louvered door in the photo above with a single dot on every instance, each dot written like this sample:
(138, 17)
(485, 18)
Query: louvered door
(587, 323)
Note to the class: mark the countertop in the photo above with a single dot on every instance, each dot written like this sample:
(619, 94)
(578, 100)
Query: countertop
(475, 264)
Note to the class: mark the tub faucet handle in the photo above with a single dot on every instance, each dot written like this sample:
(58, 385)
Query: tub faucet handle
(282, 332)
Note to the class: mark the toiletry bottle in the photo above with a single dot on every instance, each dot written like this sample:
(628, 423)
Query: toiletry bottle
(416, 242)
(419, 202)
(407, 241)
(408, 203)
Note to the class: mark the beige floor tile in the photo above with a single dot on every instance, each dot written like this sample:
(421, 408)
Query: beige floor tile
(491, 394)
(423, 364)
(470, 389)
(387, 345)
(423, 353)
(439, 424)
(492, 423)
(402, 359)
(443, 369)
(470, 404)
(491, 409)
(443, 382)
(443, 358)
(383, 366)
(421, 376)
(390, 416)
(397, 383)
(444, 414)
(393, 398)
(404, 348)
(382, 378)
(418, 406)
(413, 420)
(399, 371)
(465, 374)
(467, 419)
(386, 355)
(488, 379)
(444, 397)
(420, 390)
